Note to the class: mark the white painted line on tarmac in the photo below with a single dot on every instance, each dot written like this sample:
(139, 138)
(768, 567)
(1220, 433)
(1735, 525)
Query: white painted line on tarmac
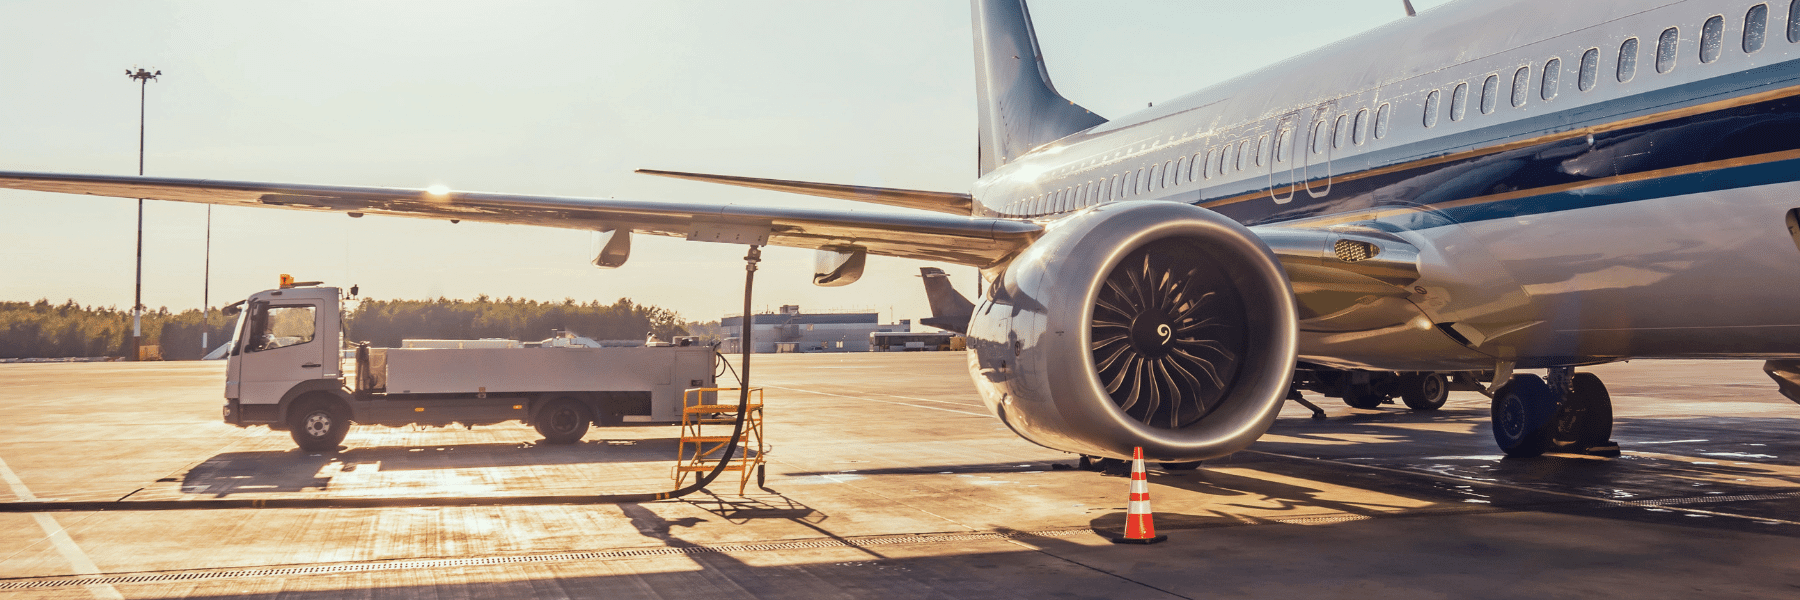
(960, 412)
(59, 537)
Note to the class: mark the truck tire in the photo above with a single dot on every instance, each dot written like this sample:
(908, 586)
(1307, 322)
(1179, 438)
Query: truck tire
(317, 425)
(563, 421)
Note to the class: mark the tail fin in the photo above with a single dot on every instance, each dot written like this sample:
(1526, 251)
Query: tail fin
(949, 310)
(1019, 109)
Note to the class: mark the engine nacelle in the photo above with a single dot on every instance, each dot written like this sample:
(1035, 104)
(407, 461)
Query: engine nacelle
(1153, 324)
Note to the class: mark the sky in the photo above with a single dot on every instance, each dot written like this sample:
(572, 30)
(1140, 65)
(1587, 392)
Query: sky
(551, 98)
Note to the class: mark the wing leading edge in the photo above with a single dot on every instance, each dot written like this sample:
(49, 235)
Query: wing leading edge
(977, 242)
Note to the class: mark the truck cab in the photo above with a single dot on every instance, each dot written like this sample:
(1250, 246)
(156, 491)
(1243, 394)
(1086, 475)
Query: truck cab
(287, 343)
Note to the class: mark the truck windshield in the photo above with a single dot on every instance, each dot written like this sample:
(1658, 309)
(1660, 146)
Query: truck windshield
(280, 327)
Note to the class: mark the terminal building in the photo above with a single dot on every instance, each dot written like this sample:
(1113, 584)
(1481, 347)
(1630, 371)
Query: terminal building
(793, 331)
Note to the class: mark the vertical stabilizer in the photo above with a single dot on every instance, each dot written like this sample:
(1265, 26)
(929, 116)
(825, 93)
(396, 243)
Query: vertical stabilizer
(950, 310)
(1019, 108)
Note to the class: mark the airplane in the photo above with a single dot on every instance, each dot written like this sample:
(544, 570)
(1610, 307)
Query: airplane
(1483, 187)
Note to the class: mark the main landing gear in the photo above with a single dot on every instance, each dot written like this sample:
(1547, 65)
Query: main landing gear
(1571, 412)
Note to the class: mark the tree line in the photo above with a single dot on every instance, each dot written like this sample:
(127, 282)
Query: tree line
(44, 330)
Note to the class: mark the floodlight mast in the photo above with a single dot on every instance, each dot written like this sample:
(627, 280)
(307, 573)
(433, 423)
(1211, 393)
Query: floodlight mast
(143, 77)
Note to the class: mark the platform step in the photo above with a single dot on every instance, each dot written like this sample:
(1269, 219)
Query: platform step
(711, 438)
(717, 408)
(707, 468)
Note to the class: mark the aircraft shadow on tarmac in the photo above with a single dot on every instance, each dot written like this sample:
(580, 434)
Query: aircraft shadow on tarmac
(298, 470)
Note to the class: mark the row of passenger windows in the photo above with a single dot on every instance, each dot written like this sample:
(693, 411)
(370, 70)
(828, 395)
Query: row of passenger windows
(1347, 129)
(1668, 53)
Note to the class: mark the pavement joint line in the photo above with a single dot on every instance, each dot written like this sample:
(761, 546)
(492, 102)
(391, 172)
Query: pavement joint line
(1672, 503)
(866, 399)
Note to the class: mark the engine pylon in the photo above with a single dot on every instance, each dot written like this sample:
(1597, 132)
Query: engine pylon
(1139, 527)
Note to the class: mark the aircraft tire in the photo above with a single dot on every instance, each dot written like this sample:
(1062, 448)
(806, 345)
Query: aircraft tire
(1522, 413)
(1424, 391)
(562, 421)
(1181, 466)
(317, 425)
(1585, 420)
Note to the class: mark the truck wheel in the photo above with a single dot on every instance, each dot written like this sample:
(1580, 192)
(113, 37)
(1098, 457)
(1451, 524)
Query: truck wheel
(1424, 391)
(563, 421)
(318, 425)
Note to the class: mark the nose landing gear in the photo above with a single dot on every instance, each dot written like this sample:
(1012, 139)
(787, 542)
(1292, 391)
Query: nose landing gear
(1571, 412)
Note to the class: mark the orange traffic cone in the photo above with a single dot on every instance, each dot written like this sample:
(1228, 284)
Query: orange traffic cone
(1139, 529)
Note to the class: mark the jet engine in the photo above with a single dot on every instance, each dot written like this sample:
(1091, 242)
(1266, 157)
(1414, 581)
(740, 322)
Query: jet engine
(1153, 324)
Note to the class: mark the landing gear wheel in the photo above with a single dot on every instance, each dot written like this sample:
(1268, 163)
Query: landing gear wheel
(1363, 397)
(563, 421)
(1181, 466)
(1585, 419)
(1522, 411)
(1424, 391)
(317, 425)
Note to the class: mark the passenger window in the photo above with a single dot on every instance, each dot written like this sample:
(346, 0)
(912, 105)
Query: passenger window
(1628, 59)
(1794, 21)
(1168, 174)
(1590, 69)
(1381, 120)
(1281, 144)
(1520, 86)
(1262, 150)
(279, 327)
(1459, 102)
(1712, 39)
(1552, 72)
(1666, 47)
(1431, 109)
(1242, 151)
(1755, 22)
(1139, 183)
(1340, 131)
(1361, 131)
(1224, 157)
(1197, 165)
(1318, 137)
(1180, 168)
(1113, 191)
(1153, 181)
(1205, 165)
(1490, 94)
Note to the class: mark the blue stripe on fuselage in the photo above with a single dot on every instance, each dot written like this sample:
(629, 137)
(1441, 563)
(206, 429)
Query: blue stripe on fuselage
(1732, 132)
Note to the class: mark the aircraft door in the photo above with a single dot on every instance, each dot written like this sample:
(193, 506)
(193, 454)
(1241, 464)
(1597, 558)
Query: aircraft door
(1284, 159)
(280, 348)
(1315, 155)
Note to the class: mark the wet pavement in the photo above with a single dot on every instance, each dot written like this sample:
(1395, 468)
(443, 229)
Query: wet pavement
(889, 479)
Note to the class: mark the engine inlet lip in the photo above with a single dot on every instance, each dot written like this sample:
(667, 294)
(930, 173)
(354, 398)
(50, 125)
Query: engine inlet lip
(1148, 222)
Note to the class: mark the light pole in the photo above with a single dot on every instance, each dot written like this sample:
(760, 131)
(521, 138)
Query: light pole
(143, 78)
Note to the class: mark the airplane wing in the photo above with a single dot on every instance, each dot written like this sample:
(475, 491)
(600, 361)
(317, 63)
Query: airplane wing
(977, 242)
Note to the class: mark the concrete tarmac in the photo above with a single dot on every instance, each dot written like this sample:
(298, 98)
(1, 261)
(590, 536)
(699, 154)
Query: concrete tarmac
(890, 480)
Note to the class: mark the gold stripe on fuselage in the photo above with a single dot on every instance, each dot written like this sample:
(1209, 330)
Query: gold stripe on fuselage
(1377, 213)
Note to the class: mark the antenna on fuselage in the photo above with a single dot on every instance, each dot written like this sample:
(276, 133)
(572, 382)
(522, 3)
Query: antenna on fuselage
(1409, 9)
